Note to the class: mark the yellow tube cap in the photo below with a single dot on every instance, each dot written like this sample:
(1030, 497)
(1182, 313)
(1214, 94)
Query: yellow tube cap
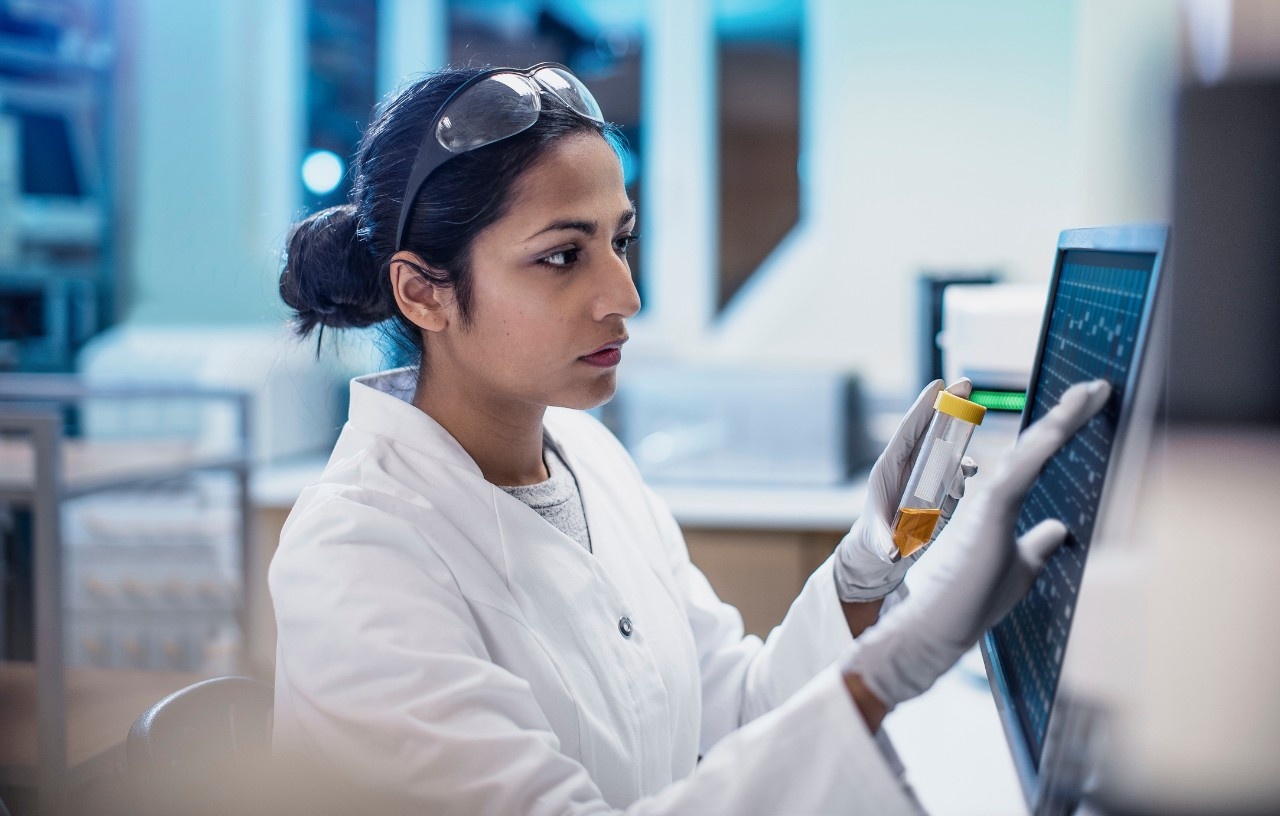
(959, 407)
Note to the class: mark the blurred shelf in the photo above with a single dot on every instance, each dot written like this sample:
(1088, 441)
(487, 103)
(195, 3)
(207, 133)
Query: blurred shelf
(89, 467)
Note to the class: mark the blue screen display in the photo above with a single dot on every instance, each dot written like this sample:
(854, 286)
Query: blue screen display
(1094, 323)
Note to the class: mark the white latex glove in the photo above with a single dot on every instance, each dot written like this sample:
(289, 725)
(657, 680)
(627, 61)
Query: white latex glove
(981, 572)
(867, 566)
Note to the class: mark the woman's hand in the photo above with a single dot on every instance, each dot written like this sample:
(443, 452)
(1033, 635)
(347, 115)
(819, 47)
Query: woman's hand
(982, 572)
(866, 566)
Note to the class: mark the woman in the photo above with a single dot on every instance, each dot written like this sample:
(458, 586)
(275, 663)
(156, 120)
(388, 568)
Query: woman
(481, 606)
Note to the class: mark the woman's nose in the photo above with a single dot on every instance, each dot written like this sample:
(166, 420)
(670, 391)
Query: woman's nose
(619, 295)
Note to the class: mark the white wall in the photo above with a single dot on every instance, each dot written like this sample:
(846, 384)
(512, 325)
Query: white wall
(941, 135)
(1125, 76)
(679, 102)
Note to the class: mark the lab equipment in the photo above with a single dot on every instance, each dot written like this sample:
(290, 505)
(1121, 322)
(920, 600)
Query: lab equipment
(297, 405)
(941, 449)
(931, 289)
(727, 424)
(60, 186)
(1146, 654)
(10, 187)
(989, 335)
(984, 569)
(1096, 326)
(865, 567)
(56, 263)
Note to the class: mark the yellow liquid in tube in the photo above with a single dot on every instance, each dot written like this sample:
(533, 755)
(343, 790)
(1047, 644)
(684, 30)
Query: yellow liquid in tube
(913, 527)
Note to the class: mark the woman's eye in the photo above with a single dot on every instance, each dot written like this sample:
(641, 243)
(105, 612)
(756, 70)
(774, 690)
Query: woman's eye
(624, 242)
(563, 258)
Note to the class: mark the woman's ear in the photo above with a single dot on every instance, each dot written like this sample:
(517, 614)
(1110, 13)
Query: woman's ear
(428, 305)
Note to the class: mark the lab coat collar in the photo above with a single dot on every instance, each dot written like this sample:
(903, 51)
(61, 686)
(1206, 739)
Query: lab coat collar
(382, 404)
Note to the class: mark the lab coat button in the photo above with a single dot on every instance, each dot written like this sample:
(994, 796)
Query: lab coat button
(624, 626)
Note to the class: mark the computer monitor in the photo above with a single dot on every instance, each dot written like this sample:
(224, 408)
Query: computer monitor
(47, 144)
(1097, 324)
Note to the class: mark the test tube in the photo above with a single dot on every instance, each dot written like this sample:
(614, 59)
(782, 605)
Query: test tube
(943, 447)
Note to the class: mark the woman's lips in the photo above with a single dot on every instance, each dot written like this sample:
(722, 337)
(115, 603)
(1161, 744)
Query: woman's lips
(607, 356)
(604, 358)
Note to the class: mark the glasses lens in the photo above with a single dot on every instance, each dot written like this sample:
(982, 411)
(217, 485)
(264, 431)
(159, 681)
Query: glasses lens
(570, 90)
(491, 110)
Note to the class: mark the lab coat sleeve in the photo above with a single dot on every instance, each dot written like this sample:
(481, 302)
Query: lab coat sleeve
(422, 712)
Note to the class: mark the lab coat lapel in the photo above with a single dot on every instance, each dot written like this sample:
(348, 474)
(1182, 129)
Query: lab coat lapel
(545, 568)
(612, 501)
(424, 465)
(656, 651)
(457, 506)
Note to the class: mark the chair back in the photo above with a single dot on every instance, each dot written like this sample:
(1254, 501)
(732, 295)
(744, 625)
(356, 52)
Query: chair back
(203, 748)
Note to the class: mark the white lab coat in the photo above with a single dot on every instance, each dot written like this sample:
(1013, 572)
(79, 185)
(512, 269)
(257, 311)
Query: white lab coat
(438, 638)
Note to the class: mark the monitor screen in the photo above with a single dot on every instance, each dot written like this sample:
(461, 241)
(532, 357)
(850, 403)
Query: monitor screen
(50, 165)
(49, 145)
(1096, 324)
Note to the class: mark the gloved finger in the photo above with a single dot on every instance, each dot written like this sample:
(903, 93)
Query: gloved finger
(947, 510)
(913, 425)
(962, 387)
(955, 492)
(1034, 548)
(1038, 543)
(1040, 441)
(890, 472)
(968, 469)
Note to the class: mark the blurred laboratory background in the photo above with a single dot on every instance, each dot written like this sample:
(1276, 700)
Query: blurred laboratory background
(840, 200)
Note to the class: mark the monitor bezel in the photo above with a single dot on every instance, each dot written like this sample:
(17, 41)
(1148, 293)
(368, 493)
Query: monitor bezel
(1055, 784)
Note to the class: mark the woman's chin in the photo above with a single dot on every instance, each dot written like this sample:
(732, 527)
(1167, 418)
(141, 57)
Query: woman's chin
(597, 393)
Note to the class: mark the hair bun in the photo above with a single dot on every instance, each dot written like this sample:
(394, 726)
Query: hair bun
(327, 279)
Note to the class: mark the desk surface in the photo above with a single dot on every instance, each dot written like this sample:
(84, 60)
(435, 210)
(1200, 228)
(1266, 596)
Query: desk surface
(720, 506)
(101, 706)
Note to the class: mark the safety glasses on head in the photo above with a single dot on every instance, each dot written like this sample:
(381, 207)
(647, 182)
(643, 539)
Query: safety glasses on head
(489, 107)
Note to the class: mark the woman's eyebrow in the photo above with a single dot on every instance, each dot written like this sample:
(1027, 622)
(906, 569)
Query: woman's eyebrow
(588, 228)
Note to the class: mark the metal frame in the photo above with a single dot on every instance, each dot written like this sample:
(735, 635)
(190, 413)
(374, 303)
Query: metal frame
(33, 405)
(1053, 780)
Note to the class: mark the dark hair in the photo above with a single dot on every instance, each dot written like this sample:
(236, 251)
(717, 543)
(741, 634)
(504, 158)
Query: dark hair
(336, 261)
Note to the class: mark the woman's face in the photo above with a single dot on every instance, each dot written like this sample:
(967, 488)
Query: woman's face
(551, 286)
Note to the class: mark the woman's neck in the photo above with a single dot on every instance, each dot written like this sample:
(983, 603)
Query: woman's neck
(504, 438)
